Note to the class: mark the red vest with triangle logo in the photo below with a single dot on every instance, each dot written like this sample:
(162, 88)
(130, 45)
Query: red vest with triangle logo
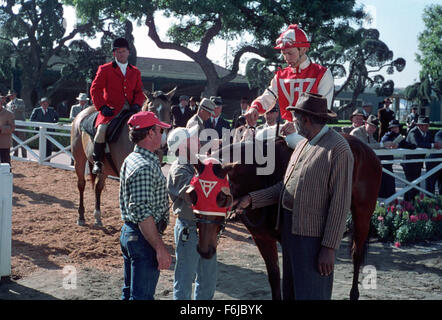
(292, 84)
(207, 186)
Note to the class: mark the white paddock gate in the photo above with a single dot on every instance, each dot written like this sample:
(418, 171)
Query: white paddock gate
(58, 159)
(5, 219)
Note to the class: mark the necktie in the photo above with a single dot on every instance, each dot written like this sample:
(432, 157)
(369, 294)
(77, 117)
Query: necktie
(213, 123)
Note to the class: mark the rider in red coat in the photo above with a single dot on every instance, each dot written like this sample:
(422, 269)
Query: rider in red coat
(117, 86)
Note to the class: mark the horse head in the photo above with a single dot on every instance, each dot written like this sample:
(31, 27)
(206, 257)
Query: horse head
(159, 103)
(209, 193)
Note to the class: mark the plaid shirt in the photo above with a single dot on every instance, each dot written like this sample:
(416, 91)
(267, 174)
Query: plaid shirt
(143, 190)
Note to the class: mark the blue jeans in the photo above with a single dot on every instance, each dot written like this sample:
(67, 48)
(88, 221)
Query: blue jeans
(190, 266)
(301, 279)
(140, 264)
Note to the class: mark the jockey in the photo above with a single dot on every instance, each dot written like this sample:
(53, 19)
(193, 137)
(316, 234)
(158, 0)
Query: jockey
(301, 75)
(117, 86)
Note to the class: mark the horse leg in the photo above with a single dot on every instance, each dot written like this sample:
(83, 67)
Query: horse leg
(361, 227)
(269, 251)
(81, 183)
(99, 185)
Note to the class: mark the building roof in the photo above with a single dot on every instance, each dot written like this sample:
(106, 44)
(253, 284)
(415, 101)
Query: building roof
(178, 69)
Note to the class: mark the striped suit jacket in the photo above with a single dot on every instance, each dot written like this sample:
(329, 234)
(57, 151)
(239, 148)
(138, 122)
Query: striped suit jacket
(322, 191)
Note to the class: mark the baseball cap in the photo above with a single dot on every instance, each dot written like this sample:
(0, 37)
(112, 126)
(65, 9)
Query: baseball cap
(145, 119)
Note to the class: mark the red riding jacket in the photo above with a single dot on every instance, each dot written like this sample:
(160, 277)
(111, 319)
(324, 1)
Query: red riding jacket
(110, 87)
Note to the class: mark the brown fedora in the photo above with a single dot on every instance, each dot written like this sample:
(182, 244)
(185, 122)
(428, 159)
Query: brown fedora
(373, 120)
(357, 112)
(313, 104)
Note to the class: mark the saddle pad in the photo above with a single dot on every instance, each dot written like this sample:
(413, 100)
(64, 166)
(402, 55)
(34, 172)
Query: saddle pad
(113, 130)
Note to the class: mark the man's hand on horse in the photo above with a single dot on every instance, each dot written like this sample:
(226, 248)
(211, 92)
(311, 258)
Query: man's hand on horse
(252, 115)
(106, 111)
(242, 203)
(135, 108)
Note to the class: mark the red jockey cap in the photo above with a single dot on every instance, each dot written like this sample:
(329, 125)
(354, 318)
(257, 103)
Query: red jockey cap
(293, 37)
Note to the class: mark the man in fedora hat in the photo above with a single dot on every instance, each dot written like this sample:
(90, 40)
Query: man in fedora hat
(366, 133)
(385, 115)
(206, 109)
(181, 113)
(357, 119)
(301, 75)
(18, 108)
(314, 198)
(117, 86)
(77, 108)
(44, 113)
(421, 138)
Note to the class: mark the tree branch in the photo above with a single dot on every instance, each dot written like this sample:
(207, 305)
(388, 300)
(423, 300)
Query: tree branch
(211, 33)
(153, 34)
(235, 66)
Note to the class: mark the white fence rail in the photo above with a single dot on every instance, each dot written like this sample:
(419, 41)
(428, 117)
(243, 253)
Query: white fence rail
(5, 219)
(399, 158)
(40, 132)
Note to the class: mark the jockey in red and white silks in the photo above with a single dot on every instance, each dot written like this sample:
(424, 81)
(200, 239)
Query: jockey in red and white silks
(301, 75)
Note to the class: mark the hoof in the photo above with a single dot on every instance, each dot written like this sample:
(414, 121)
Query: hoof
(81, 223)
(98, 223)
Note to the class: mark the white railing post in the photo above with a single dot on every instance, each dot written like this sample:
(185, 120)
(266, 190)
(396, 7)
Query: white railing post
(42, 144)
(5, 219)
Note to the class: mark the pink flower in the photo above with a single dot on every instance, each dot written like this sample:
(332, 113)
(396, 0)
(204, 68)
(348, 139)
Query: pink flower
(413, 218)
(436, 207)
(397, 244)
(423, 216)
(421, 196)
(380, 218)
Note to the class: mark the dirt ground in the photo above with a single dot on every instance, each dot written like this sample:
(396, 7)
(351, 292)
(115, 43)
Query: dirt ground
(49, 248)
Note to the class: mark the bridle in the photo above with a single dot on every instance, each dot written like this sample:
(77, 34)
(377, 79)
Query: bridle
(200, 218)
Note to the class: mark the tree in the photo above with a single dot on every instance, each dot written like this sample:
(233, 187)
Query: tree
(430, 58)
(201, 22)
(366, 55)
(35, 33)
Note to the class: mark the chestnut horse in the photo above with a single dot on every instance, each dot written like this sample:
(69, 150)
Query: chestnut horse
(82, 148)
(261, 222)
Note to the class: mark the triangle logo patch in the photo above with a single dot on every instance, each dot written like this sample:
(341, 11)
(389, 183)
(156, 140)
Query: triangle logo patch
(207, 186)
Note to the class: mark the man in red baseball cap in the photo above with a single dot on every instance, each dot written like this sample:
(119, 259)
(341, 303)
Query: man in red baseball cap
(144, 206)
(301, 75)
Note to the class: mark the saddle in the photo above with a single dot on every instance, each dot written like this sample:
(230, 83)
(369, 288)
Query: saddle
(113, 130)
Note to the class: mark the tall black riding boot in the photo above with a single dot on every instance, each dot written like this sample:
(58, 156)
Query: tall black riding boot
(98, 157)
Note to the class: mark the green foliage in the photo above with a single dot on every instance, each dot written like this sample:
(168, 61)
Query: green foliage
(404, 222)
(430, 58)
(40, 42)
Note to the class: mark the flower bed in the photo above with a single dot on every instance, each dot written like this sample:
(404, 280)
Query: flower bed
(404, 222)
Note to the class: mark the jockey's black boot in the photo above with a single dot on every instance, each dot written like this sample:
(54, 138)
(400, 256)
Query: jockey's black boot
(98, 157)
